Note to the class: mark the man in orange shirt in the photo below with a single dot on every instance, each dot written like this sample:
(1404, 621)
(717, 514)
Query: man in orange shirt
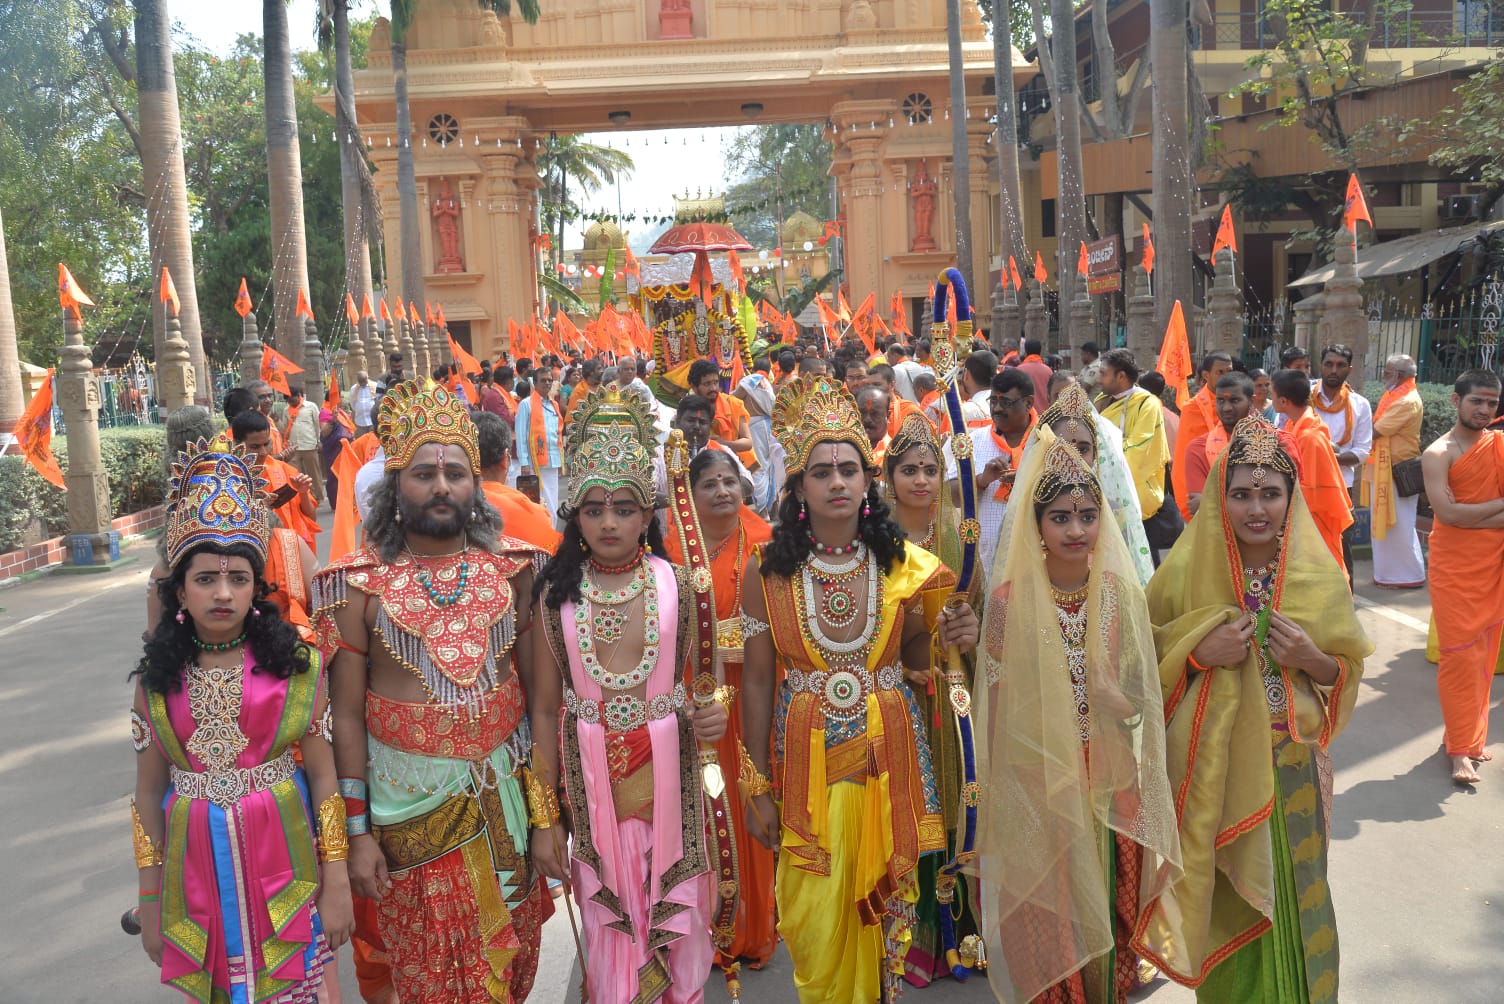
(732, 426)
(1464, 475)
(521, 517)
(1198, 417)
(291, 491)
(1321, 478)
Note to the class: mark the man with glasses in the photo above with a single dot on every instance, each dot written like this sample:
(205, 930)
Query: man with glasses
(997, 452)
(540, 443)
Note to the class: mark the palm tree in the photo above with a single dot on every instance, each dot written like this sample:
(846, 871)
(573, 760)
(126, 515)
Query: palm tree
(403, 12)
(11, 404)
(566, 157)
(1010, 202)
(1057, 56)
(168, 226)
(1173, 187)
(357, 189)
(285, 181)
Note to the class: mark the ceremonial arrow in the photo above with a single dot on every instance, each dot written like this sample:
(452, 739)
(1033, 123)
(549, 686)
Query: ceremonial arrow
(949, 357)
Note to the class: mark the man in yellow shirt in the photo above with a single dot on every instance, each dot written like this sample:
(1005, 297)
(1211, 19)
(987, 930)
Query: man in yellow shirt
(1138, 415)
(1397, 559)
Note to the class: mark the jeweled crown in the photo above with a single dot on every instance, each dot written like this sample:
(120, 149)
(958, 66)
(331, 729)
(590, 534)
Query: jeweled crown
(1072, 406)
(814, 410)
(413, 415)
(1065, 472)
(1255, 442)
(215, 496)
(914, 430)
(611, 444)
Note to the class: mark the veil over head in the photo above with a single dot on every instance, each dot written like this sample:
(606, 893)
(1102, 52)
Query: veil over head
(1049, 801)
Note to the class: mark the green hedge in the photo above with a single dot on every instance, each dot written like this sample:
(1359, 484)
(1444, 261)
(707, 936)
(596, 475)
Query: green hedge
(1437, 399)
(132, 458)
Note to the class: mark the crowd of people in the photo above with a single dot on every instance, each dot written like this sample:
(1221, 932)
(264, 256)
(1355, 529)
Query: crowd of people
(1017, 668)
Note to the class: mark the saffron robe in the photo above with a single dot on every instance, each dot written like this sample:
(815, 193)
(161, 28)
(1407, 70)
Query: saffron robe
(1321, 480)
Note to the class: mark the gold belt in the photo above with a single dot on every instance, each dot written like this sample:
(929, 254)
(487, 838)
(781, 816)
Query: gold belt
(225, 787)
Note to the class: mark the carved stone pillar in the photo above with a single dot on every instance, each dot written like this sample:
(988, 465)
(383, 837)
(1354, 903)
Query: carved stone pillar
(1342, 317)
(862, 127)
(88, 485)
(982, 220)
(1083, 323)
(175, 380)
(1036, 319)
(509, 183)
(375, 359)
(1142, 338)
(1224, 310)
(339, 364)
(1306, 314)
(250, 350)
(411, 365)
(314, 382)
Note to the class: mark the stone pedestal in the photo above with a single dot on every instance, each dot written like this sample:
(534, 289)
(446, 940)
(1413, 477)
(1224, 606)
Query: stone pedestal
(1342, 318)
(411, 364)
(423, 367)
(250, 351)
(1083, 322)
(375, 360)
(88, 486)
(339, 365)
(1224, 310)
(175, 382)
(1009, 327)
(1036, 320)
(353, 359)
(314, 382)
(1306, 313)
(1143, 340)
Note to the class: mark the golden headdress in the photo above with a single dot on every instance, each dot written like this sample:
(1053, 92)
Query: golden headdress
(611, 444)
(1072, 406)
(215, 496)
(413, 415)
(914, 430)
(1065, 472)
(814, 410)
(1255, 442)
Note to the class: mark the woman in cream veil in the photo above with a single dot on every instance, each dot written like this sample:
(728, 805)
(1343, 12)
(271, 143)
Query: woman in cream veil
(1077, 827)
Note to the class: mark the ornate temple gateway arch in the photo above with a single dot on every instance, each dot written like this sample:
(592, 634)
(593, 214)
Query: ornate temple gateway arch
(484, 93)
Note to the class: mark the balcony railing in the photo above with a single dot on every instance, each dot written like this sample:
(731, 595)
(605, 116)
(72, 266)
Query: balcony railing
(1469, 23)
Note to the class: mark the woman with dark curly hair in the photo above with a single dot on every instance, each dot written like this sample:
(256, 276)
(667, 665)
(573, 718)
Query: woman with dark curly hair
(851, 612)
(232, 893)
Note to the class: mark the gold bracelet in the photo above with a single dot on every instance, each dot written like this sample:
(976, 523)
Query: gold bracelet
(725, 695)
(756, 782)
(148, 851)
(334, 841)
(542, 804)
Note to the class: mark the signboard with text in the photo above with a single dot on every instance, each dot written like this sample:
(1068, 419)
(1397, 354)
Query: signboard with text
(1104, 265)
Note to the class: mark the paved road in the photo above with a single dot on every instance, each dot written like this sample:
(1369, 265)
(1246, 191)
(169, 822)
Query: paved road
(1416, 866)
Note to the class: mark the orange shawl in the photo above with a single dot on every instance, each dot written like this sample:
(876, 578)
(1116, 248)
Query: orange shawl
(284, 573)
(729, 412)
(537, 432)
(521, 517)
(277, 474)
(1321, 480)
(1378, 482)
(1015, 454)
(1198, 417)
(1344, 404)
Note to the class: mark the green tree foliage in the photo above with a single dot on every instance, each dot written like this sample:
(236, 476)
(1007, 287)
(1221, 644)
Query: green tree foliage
(70, 176)
(1472, 132)
(1020, 22)
(769, 164)
(566, 159)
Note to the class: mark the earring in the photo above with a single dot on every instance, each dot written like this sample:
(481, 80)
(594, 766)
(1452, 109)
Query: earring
(1043, 547)
(803, 512)
(255, 611)
(180, 618)
(866, 509)
(584, 546)
(397, 516)
(646, 547)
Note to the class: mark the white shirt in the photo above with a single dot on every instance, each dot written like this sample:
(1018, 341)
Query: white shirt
(990, 511)
(361, 399)
(1361, 443)
(903, 377)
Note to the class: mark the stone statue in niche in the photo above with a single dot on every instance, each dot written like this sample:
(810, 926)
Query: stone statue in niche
(922, 192)
(446, 218)
(675, 19)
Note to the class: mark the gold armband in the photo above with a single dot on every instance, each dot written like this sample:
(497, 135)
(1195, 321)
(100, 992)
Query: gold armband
(724, 696)
(148, 851)
(757, 783)
(334, 842)
(542, 804)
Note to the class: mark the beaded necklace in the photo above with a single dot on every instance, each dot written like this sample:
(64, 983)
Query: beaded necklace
(425, 579)
(217, 646)
(590, 625)
(1258, 599)
(1070, 612)
(838, 603)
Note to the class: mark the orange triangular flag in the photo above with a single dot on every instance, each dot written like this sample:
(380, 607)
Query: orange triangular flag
(304, 308)
(69, 295)
(243, 299)
(346, 516)
(1174, 362)
(170, 292)
(33, 433)
(843, 309)
(632, 266)
(350, 312)
(1013, 276)
(331, 396)
(1225, 236)
(566, 335)
(861, 320)
(428, 313)
(950, 311)
(412, 314)
(468, 363)
(828, 319)
(1040, 275)
(1356, 207)
(737, 273)
(386, 315)
(1082, 266)
(275, 367)
(1148, 251)
(438, 314)
(514, 335)
(899, 314)
(365, 306)
(790, 328)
